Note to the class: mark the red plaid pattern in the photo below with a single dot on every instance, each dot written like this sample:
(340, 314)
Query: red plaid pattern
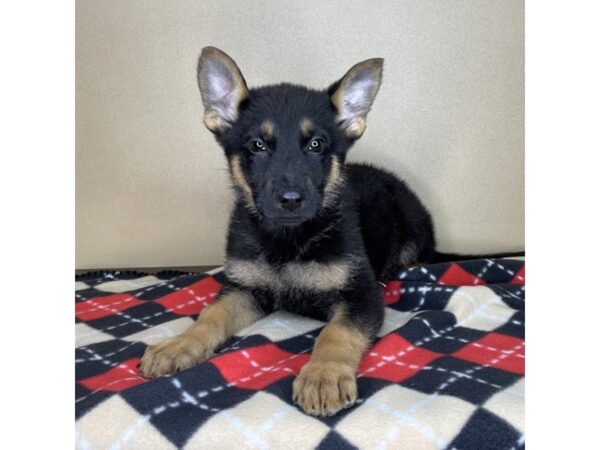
(447, 368)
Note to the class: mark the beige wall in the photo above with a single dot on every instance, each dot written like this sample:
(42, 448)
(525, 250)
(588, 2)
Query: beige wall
(151, 183)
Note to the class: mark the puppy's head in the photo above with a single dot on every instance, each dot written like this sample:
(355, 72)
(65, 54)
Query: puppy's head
(286, 144)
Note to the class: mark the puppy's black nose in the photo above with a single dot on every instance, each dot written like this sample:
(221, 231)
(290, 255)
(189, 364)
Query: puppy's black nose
(290, 200)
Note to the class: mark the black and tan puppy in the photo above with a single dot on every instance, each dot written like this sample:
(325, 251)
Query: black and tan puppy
(308, 234)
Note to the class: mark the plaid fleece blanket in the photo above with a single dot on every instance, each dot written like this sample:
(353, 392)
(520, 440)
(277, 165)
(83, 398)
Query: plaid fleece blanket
(446, 372)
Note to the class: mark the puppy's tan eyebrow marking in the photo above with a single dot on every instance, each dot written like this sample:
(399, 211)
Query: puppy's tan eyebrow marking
(306, 127)
(268, 129)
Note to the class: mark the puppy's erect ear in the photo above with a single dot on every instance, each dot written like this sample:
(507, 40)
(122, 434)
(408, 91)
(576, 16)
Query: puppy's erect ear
(222, 87)
(353, 95)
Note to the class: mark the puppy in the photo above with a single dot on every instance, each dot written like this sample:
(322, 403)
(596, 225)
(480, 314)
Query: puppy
(308, 233)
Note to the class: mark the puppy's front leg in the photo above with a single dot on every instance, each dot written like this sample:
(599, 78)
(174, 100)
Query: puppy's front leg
(233, 310)
(327, 383)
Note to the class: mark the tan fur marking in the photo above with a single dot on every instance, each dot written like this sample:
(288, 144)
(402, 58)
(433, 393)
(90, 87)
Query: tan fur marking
(268, 129)
(212, 122)
(338, 98)
(333, 182)
(255, 273)
(339, 342)
(306, 127)
(313, 276)
(230, 313)
(240, 181)
(327, 383)
(357, 127)
(318, 276)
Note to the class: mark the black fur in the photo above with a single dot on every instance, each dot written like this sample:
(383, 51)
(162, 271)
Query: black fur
(369, 218)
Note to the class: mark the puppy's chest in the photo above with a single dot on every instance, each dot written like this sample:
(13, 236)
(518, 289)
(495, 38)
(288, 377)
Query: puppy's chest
(292, 283)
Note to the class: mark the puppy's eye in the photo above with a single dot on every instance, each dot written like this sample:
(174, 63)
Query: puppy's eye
(257, 146)
(316, 146)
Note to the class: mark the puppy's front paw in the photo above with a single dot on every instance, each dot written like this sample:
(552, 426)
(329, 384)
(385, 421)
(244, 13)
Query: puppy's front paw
(323, 389)
(173, 355)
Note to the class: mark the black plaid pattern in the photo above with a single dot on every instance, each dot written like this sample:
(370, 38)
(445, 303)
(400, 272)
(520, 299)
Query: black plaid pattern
(447, 371)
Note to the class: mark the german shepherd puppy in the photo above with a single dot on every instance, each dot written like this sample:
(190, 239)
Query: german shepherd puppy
(309, 233)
